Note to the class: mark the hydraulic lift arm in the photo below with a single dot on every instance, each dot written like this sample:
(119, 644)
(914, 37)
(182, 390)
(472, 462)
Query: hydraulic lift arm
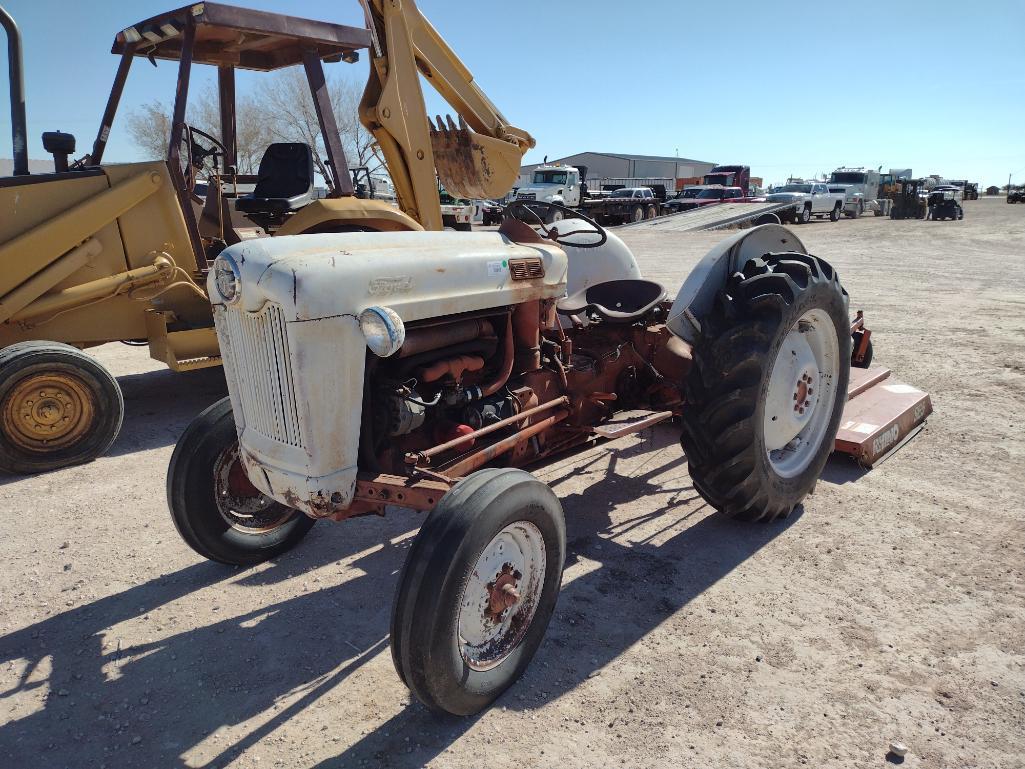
(478, 159)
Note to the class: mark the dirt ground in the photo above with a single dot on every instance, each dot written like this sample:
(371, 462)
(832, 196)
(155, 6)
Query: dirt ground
(892, 607)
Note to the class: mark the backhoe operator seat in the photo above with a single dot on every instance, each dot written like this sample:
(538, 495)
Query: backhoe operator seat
(284, 182)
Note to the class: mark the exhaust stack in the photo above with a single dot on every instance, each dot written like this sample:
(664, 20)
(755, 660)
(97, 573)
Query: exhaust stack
(19, 126)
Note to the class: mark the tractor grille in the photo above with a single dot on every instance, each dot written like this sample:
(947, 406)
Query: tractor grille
(257, 357)
(528, 268)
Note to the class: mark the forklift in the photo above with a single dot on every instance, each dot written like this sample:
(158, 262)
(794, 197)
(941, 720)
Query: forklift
(909, 202)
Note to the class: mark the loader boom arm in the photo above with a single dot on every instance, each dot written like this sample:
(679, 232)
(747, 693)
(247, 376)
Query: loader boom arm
(478, 159)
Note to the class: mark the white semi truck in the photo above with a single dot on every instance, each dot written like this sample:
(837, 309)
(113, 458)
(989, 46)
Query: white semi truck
(860, 187)
(566, 186)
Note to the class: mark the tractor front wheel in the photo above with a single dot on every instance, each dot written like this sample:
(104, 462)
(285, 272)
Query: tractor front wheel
(768, 386)
(58, 407)
(214, 505)
(477, 590)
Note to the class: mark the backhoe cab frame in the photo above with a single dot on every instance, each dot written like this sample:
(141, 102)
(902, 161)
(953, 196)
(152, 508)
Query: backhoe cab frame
(92, 254)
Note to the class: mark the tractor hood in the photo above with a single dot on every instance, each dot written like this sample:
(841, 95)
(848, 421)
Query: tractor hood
(294, 349)
(417, 274)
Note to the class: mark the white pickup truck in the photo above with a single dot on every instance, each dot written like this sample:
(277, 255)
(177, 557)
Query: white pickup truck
(809, 199)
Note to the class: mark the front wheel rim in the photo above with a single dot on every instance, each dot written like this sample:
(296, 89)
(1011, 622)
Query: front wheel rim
(500, 596)
(801, 393)
(240, 503)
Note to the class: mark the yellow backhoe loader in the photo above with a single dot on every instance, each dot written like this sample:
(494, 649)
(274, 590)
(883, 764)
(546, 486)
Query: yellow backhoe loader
(96, 253)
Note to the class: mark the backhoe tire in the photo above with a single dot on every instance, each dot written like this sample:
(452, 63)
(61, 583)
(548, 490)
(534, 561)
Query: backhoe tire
(768, 386)
(58, 407)
(214, 506)
(478, 589)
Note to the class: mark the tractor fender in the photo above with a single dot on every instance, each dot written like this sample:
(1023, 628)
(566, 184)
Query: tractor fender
(697, 295)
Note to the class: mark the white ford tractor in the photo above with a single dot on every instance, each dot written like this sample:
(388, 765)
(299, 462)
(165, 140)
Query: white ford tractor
(423, 369)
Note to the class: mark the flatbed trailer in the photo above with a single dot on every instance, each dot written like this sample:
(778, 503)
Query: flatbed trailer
(717, 216)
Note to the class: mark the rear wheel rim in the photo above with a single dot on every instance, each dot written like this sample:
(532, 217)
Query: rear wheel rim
(801, 393)
(500, 596)
(243, 506)
(48, 411)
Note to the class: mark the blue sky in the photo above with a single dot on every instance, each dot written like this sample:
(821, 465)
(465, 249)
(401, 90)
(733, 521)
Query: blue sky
(938, 87)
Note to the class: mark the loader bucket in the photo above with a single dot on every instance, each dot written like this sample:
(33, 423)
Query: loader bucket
(471, 165)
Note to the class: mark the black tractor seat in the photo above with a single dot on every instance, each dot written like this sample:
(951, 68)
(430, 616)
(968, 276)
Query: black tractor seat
(615, 301)
(284, 182)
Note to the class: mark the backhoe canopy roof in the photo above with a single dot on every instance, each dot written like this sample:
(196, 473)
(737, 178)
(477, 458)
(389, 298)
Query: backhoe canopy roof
(240, 37)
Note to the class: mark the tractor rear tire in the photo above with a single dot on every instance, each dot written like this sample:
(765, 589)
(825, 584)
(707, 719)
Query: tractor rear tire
(781, 325)
(58, 407)
(214, 506)
(477, 590)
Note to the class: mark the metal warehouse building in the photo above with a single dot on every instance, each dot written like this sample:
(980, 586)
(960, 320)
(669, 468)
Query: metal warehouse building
(617, 166)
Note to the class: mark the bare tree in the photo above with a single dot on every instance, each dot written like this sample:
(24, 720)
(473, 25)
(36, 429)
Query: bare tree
(150, 128)
(293, 117)
(281, 109)
(252, 132)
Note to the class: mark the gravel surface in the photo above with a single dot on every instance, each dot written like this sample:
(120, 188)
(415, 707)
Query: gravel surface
(888, 611)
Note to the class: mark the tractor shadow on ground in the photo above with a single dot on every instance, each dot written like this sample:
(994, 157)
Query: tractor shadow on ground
(841, 469)
(637, 581)
(74, 694)
(160, 404)
(202, 696)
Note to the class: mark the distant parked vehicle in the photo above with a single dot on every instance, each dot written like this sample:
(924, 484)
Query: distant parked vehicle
(455, 212)
(675, 203)
(490, 212)
(729, 176)
(566, 186)
(809, 199)
(944, 203)
(709, 196)
(1016, 194)
(861, 191)
(911, 202)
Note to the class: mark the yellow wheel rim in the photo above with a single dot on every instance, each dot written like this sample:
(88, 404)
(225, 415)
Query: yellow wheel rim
(48, 411)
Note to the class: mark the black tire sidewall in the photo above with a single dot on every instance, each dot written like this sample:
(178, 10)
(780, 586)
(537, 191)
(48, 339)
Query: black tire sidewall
(25, 359)
(427, 606)
(191, 496)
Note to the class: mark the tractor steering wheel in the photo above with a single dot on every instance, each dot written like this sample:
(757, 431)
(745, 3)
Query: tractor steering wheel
(518, 207)
(194, 155)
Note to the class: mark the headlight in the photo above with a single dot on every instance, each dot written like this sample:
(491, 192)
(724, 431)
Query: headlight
(383, 329)
(227, 278)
